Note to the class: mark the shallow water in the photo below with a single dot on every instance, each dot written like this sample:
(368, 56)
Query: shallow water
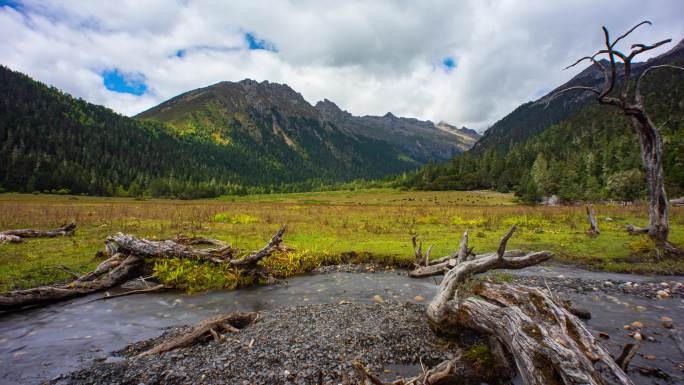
(37, 345)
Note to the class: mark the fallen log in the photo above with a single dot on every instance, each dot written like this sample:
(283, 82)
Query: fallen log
(127, 259)
(18, 235)
(18, 299)
(209, 328)
(547, 343)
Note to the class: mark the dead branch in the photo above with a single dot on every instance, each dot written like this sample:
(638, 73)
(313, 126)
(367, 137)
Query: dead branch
(267, 250)
(223, 323)
(628, 353)
(151, 289)
(19, 234)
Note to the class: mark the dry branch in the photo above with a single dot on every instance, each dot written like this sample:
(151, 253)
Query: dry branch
(211, 327)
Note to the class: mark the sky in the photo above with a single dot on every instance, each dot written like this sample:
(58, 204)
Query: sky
(465, 62)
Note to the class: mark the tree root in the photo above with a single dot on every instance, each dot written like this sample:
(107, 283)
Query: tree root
(209, 328)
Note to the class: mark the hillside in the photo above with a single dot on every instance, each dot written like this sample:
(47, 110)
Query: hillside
(203, 143)
(589, 153)
(534, 117)
(250, 114)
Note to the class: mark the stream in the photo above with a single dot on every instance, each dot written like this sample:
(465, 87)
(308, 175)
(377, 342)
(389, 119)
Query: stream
(40, 344)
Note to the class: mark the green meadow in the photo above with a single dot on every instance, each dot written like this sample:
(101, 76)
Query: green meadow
(323, 228)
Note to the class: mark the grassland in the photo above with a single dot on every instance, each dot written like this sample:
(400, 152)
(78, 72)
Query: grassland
(327, 227)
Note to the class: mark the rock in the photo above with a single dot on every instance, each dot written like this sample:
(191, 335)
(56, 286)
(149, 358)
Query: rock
(665, 318)
(650, 357)
(607, 284)
(637, 336)
(419, 298)
(637, 325)
(377, 298)
(580, 313)
(662, 294)
(668, 324)
(604, 335)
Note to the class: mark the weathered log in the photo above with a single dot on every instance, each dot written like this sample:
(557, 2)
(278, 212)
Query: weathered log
(129, 244)
(593, 225)
(254, 257)
(18, 299)
(12, 235)
(463, 248)
(211, 327)
(189, 241)
(6, 238)
(548, 344)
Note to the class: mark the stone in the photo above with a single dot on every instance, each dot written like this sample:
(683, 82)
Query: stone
(637, 325)
(377, 298)
(662, 294)
(419, 298)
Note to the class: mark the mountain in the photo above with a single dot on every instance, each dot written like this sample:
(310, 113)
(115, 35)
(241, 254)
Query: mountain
(534, 117)
(421, 140)
(575, 148)
(253, 114)
(205, 142)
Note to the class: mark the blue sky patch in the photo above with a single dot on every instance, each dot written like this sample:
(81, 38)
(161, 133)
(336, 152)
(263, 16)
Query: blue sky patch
(253, 42)
(11, 4)
(181, 52)
(129, 83)
(449, 63)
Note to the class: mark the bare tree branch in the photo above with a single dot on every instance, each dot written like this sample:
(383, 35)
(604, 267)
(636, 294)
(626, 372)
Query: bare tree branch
(630, 31)
(638, 97)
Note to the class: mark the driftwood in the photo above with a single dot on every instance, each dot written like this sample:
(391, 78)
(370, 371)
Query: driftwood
(593, 225)
(15, 236)
(547, 343)
(129, 266)
(631, 101)
(127, 258)
(213, 327)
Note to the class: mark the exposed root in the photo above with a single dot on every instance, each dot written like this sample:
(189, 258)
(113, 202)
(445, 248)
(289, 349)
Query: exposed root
(209, 328)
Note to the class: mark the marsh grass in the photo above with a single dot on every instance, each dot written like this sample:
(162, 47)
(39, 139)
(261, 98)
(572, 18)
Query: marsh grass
(325, 228)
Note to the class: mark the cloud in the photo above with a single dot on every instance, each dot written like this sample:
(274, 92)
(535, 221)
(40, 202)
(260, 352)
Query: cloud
(369, 57)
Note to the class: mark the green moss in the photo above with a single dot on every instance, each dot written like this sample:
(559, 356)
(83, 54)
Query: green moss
(480, 355)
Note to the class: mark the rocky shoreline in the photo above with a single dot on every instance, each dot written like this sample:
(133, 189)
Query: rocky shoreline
(298, 345)
(317, 343)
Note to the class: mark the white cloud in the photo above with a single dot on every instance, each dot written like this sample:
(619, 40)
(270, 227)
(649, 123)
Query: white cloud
(369, 57)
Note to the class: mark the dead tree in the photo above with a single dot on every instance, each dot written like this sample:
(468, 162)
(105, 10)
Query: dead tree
(126, 261)
(593, 225)
(547, 343)
(15, 236)
(631, 102)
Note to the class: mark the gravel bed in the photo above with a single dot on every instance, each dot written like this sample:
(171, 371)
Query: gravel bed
(651, 290)
(288, 346)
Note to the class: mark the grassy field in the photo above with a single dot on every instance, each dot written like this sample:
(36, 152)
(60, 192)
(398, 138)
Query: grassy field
(327, 227)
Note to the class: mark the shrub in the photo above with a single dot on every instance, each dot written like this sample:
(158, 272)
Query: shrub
(234, 219)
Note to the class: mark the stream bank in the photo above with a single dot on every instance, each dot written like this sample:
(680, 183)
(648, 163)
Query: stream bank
(47, 343)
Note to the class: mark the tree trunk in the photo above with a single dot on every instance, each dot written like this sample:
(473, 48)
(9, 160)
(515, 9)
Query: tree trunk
(652, 158)
(549, 345)
(593, 225)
